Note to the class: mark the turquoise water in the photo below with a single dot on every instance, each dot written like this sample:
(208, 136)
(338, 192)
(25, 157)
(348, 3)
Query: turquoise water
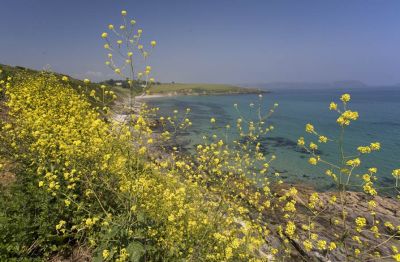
(379, 111)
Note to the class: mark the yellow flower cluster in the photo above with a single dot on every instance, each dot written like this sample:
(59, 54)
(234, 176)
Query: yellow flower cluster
(346, 117)
(345, 98)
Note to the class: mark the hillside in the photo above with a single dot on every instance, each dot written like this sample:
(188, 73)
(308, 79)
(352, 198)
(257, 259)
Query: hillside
(75, 83)
(200, 89)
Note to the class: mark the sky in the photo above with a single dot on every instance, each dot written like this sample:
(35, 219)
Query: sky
(215, 41)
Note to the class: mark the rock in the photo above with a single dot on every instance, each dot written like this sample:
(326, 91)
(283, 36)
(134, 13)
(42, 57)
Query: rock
(356, 205)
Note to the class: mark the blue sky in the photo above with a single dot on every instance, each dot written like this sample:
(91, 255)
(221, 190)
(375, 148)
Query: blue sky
(220, 41)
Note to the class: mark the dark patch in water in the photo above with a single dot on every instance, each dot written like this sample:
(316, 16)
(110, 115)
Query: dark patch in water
(387, 123)
(282, 142)
(385, 179)
(275, 170)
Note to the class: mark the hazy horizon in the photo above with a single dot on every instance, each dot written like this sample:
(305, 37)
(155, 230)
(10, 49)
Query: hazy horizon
(233, 42)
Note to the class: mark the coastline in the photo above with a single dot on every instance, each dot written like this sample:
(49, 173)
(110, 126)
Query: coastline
(154, 96)
(175, 94)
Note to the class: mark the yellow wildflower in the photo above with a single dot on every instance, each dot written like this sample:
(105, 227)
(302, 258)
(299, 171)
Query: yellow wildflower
(310, 128)
(332, 246)
(321, 244)
(375, 146)
(307, 245)
(354, 162)
(345, 98)
(313, 161)
(364, 149)
(313, 146)
(290, 229)
(322, 139)
(300, 141)
(361, 222)
(106, 253)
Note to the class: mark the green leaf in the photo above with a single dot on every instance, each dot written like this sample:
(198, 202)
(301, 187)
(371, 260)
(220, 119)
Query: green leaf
(136, 251)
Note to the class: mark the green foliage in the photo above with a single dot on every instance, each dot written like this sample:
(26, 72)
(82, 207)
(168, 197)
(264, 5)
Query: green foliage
(27, 221)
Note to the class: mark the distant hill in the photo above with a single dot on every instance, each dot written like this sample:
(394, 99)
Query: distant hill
(345, 84)
(349, 84)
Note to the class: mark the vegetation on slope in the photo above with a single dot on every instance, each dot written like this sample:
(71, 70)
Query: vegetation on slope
(83, 86)
(82, 181)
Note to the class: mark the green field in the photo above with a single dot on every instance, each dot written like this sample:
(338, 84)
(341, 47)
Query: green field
(199, 89)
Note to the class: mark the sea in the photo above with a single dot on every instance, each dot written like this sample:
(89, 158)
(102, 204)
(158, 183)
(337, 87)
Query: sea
(379, 120)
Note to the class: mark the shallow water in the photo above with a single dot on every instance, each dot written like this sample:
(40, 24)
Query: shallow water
(379, 111)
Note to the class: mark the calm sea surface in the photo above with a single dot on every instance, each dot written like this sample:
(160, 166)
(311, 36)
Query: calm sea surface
(379, 111)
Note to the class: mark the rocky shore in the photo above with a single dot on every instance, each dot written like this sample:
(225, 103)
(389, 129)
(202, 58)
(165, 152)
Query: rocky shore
(356, 205)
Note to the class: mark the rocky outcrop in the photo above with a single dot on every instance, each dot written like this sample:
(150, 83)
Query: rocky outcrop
(356, 205)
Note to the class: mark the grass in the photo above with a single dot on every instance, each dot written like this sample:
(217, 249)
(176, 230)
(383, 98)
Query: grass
(200, 89)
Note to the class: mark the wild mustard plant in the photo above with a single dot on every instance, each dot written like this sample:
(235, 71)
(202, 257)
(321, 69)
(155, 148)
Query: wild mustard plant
(346, 176)
(127, 55)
